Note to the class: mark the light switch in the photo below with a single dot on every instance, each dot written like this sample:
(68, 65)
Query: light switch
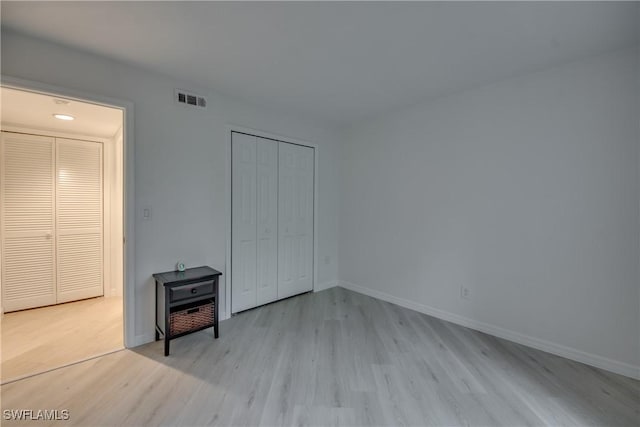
(146, 213)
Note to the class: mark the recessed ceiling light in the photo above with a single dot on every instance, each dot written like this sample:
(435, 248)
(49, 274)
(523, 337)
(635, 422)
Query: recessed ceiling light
(63, 117)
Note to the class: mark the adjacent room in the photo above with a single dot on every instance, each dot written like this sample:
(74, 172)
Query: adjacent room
(320, 213)
(61, 216)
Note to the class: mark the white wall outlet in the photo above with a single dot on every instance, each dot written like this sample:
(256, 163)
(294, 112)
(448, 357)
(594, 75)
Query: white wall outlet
(327, 259)
(465, 293)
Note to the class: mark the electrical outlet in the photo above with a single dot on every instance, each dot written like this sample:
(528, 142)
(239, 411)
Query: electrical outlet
(465, 293)
(327, 259)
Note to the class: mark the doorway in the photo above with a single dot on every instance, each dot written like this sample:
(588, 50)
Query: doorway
(61, 231)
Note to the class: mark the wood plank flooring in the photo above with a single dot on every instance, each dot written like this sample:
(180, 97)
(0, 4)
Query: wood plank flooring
(331, 358)
(45, 338)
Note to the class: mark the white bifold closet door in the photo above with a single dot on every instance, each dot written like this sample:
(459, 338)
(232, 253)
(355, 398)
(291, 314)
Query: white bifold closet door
(243, 222)
(260, 191)
(52, 220)
(254, 221)
(295, 220)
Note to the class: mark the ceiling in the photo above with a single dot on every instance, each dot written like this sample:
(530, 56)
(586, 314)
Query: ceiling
(35, 111)
(335, 61)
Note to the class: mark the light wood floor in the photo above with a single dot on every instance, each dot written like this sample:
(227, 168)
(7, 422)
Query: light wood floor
(332, 358)
(41, 339)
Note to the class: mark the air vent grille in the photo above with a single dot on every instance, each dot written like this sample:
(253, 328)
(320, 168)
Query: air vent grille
(187, 98)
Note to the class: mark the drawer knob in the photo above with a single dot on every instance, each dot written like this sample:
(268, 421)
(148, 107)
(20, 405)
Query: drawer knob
(194, 290)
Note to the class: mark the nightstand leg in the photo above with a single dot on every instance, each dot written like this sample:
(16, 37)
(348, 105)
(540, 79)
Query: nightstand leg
(166, 346)
(216, 314)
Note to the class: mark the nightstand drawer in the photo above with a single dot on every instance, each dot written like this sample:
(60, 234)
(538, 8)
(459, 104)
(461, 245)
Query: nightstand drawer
(190, 291)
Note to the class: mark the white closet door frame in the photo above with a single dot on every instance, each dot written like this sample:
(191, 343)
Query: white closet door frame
(228, 279)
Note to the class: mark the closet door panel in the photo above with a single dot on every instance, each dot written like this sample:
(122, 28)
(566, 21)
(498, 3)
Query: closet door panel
(267, 220)
(79, 219)
(295, 220)
(27, 221)
(286, 221)
(243, 222)
(304, 220)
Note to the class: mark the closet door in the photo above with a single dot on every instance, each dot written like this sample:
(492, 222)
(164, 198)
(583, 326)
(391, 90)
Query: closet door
(27, 216)
(267, 220)
(243, 222)
(295, 219)
(79, 219)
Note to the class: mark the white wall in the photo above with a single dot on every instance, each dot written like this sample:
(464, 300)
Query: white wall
(526, 191)
(180, 160)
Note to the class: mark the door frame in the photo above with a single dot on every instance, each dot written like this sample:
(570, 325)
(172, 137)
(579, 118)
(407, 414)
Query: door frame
(128, 183)
(229, 129)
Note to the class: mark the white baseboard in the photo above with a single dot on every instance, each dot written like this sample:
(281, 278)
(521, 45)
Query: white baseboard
(605, 363)
(317, 288)
(143, 339)
(326, 285)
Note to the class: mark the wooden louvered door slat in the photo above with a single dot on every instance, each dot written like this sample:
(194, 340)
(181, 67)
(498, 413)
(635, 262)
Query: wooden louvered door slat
(27, 216)
(79, 219)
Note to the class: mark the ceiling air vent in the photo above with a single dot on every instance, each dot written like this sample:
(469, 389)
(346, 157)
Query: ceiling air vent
(187, 98)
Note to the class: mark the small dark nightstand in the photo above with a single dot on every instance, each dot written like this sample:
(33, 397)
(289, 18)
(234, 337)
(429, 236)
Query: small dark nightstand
(188, 302)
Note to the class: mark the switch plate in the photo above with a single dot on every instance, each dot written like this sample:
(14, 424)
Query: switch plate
(146, 214)
(465, 293)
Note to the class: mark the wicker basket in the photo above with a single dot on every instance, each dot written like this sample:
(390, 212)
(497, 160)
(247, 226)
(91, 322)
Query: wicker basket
(191, 318)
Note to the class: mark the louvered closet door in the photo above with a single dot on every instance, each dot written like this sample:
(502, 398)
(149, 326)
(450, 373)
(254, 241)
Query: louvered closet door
(79, 219)
(27, 214)
(243, 222)
(295, 219)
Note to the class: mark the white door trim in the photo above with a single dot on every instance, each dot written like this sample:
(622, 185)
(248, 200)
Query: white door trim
(229, 128)
(129, 200)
